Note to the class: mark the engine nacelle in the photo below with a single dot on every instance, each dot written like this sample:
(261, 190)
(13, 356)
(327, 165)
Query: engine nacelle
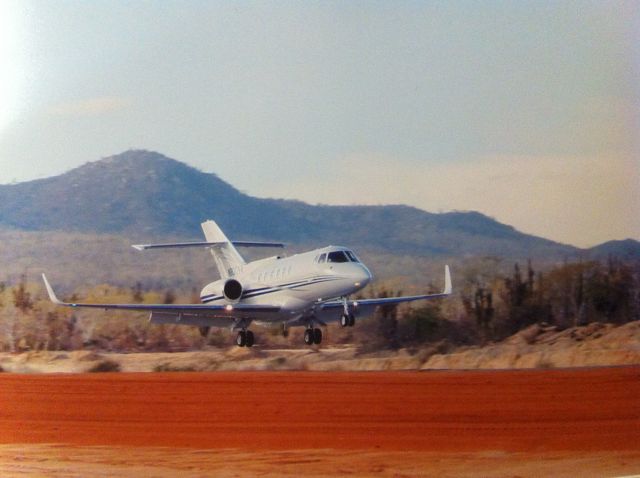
(232, 290)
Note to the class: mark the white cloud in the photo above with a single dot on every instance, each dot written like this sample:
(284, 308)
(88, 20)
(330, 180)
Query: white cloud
(90, 106)
(581, 201)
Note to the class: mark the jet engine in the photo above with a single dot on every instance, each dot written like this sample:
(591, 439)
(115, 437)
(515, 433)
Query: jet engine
(232, 290)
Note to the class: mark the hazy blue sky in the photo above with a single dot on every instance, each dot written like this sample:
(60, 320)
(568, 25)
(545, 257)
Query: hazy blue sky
(526, 111)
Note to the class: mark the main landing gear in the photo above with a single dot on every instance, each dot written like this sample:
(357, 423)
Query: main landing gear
(244, 338)
(312, 336)
(348, 320)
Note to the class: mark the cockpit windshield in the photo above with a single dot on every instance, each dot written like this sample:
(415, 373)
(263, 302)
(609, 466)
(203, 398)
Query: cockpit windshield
(352, 256)
(337, 256)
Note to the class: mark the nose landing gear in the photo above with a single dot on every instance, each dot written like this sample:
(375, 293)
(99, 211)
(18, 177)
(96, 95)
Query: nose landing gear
(348, 320)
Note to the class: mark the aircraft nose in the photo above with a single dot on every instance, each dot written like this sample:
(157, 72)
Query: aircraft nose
(362, 276)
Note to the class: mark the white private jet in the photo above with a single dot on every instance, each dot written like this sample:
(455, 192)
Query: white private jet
(303, 290)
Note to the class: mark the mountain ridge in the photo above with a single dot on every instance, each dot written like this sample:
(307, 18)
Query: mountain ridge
(148, 195)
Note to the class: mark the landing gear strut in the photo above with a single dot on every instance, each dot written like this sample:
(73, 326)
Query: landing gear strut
(245, 338)
(312, 336)
(347, 319)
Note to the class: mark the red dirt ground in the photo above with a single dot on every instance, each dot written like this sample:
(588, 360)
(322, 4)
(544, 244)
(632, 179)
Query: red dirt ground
(539, 411)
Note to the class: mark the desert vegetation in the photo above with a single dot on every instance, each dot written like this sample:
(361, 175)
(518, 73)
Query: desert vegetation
(489, 305)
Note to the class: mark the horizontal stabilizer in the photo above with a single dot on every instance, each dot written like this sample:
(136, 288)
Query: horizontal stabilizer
(178, 245)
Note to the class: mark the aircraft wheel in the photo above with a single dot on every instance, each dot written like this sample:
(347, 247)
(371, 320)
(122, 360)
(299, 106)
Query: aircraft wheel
(249, 339)
(352, 320)
(317, 336)
(204, 331)
(308, 336)
(241, 338)
(344, 320)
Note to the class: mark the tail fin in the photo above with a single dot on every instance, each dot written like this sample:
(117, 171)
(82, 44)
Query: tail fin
(228, 260)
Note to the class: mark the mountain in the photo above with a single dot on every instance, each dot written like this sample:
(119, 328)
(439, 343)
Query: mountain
(146, 195)
(626, 249)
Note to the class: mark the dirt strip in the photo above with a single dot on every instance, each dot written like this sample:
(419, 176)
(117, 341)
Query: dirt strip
(510, 411)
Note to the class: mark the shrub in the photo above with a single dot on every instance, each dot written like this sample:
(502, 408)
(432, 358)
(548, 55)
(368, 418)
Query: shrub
(544, 364)
(167, 367)
(105, 366)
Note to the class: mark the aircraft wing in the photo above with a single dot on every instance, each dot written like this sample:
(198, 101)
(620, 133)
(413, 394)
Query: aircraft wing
(201, 310)
(367, 306)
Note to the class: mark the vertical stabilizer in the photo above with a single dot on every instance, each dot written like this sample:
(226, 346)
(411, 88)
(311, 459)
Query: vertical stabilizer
(228, 259)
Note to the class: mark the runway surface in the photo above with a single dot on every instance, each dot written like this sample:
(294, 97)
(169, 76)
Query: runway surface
(540, 411)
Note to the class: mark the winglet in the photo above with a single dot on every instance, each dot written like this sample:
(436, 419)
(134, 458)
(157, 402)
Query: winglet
(447, 281)
(52, 294)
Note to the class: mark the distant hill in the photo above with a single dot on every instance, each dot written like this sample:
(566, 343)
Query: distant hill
(146, 195)
(627, 249)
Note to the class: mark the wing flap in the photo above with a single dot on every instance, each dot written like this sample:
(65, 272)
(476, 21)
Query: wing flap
(174, 318)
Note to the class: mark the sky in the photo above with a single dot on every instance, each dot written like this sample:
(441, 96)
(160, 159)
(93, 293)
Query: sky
(527, 111)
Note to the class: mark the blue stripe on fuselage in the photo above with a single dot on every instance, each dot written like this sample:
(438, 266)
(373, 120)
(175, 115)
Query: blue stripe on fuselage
(268, 290)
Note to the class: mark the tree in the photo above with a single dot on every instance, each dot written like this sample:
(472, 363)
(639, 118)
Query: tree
(136, 292)
(22, 297)
(423, 324)
(169, 297)
(387, 322)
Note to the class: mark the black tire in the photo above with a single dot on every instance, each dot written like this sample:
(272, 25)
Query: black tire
(344, 320)
(308, 336)
(241, 339)
(249, 339)
(352, 320)
(317, 336)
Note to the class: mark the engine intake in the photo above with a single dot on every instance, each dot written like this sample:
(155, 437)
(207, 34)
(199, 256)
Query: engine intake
(232, 290)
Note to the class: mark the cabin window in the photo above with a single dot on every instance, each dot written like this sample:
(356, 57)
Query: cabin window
(323, 258)
(337, 256)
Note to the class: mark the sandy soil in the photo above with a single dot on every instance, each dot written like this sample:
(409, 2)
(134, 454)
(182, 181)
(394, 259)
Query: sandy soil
(100, 461)
(547, 347)
(535, 347)
(524, 423)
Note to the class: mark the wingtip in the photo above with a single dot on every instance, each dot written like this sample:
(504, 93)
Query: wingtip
(52, 294)
(448, 288)
(138, 247)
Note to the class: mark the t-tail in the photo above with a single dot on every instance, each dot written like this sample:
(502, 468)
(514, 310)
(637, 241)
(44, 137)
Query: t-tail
(224, 252)
(227, 257)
